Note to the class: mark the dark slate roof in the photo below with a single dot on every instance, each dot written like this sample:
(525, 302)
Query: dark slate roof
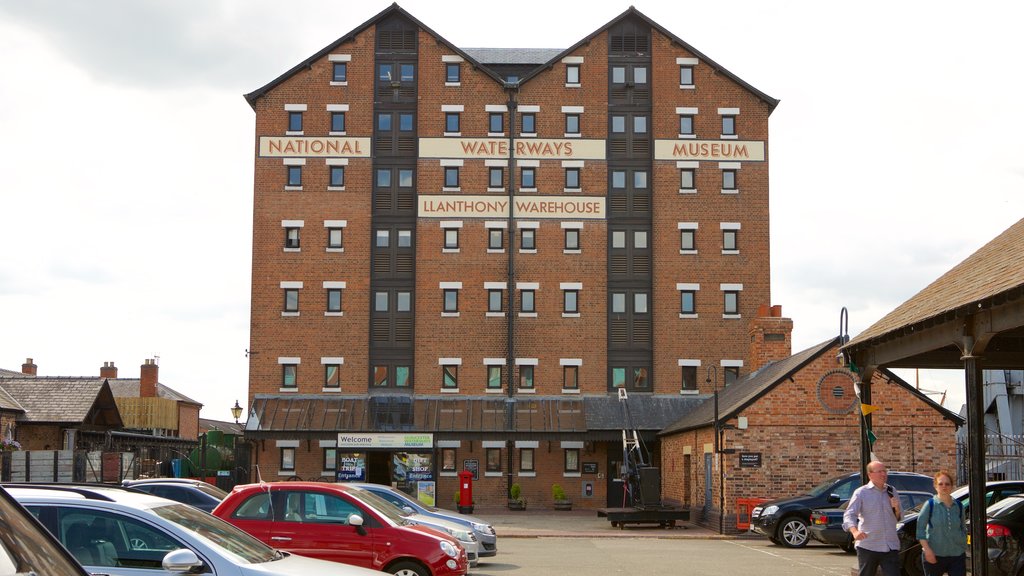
(513, 55)
(4, 372)
(734, 398)
(7, 402)
(646, 411)
(223, 426)
(129, 388)
(60, 399)
(994, 271)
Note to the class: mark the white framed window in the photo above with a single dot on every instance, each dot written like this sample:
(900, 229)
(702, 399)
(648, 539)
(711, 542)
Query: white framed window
(731, 300)
(730, 177)
(729, 129)
(687, 299)
(687, 237)
(688, 375)
(339, 65)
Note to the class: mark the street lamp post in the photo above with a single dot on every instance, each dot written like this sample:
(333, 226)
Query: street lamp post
(718, 454)
(236, 411)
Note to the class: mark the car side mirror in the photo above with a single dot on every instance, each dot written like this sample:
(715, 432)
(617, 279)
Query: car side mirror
(357, 521)
(182, 560)
(408, 509)
(834, 499)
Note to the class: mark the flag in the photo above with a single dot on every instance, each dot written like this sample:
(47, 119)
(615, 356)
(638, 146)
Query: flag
(871, 437)
(866, 409)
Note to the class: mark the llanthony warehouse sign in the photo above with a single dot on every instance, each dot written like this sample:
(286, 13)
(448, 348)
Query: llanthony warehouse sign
(450, 206)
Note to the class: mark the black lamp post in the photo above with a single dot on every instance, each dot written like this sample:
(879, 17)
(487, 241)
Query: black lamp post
(718, 454)
(236, 411)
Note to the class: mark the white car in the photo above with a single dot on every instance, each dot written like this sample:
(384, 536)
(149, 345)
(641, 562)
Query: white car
(120, 532)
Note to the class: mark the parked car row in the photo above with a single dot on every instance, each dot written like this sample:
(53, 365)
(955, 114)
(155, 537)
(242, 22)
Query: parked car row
(277, 528)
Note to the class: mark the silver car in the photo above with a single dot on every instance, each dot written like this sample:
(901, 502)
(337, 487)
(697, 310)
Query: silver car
(120, 532)
(484, 532)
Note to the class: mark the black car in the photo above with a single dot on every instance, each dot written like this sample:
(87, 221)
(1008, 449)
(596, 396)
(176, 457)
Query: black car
(827, 523)
(195, 493)
(1004, 536)
(785, 521)
(910, 546)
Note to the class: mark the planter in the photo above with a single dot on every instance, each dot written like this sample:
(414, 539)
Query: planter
(517, 504)
(563, 504)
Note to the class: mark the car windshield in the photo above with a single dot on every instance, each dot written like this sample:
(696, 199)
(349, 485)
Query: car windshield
(824, 486)
(218, 533)
(1005, 508)
(381, 505)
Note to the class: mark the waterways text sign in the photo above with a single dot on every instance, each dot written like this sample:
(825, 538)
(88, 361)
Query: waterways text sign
(452, 206)
(525, 148)
(384, 440)
(298, 146)
(710, 150)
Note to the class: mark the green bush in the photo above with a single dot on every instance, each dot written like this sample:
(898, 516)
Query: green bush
(557, 492)
(515, 491)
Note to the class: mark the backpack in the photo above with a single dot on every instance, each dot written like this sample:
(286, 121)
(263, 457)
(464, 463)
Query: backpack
(959, 508)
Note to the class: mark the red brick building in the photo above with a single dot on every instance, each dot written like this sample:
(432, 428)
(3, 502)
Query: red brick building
(461, 255)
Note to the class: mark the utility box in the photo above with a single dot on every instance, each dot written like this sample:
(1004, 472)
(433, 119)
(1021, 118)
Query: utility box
(650, 486)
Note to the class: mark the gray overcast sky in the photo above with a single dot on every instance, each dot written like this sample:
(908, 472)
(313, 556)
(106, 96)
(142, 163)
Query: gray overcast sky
(127, 157)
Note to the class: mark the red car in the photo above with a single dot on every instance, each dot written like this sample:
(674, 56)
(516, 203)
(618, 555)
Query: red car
(340, 523)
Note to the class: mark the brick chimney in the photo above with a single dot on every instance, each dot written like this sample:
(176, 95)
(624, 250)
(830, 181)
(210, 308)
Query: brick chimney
(148, 378)
(28, 367)
(108, 370)
(771, 337)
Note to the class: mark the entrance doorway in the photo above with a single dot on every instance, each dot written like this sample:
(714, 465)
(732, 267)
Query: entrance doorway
(378, 467)
(615, 489)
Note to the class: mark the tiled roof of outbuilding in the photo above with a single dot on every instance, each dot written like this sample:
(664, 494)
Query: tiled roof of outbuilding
(129, 388)
(54, 398)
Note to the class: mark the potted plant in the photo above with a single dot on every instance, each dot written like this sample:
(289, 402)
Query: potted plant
(562, 502)
(516, 500)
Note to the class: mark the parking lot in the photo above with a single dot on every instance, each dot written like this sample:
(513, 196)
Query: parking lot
(661, 556)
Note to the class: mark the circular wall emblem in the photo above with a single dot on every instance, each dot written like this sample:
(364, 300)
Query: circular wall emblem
(835, 392)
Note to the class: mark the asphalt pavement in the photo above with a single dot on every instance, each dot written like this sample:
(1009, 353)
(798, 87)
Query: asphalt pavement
(583, 524)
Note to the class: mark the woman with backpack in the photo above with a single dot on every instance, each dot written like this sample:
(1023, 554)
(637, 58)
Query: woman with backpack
(941, 528)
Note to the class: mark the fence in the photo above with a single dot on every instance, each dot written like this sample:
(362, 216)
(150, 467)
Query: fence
(1004, 458)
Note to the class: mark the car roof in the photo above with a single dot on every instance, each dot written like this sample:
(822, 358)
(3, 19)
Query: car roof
(185, 481)
(80, 493)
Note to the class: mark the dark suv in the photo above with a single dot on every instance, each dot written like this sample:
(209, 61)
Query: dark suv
(785, 521)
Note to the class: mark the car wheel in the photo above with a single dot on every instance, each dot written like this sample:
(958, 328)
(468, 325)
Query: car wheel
(408, 569)
(775, 540)
(849, 548)
(793, 532)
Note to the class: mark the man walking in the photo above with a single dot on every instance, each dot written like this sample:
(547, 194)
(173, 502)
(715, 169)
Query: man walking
(871, 519)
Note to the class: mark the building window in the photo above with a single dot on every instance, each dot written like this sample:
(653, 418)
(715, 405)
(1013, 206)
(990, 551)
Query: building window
(453, 73)
(529, 178)
(496, 177)
(294, 175)
(295, 121)
(572, 178)
(337, 177)
(729, 241)
(451, 122)
(493, 460)
(384, 123)
(728, 125)
(334, 238)
(330, 459)
(289, 373)
(572, 73)
(291, 237)
(380, 302)
(526, 377)
(448, 459)
(687, 179)
(572, 123)
(640, 379)
(732, 302)
(332, 376)
(494, 377)
(403, 301)
(732, 374)
(451, 300)
(570, 377)
(639, 124)
(340, 73)
(337, 121)
(527, 239)
(688, 240)
(570, 301)
(287, 459)
(405, 123)
(496, 123)
(572, 239)
(405, 238)
(291, 299)
(529, 120)
(450, 376)
(640, 303)
(619, 179)
(334, 299)
(686, 125)
(619, 124)
(495, 239)
(451, 176)
(728, 180)
(572, 460)
(618, 377)
(618, 303)
(688, 378)
(383, 238)
(451, 238)
(382, 377)
(495, 298)
(526, 460)
(687, 301)
(526, 301)
(686, 75)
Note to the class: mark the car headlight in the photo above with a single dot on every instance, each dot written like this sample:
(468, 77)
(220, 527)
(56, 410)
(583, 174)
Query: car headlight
(483, 528)
(448, 549)
(770, 510)
(462, 535)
